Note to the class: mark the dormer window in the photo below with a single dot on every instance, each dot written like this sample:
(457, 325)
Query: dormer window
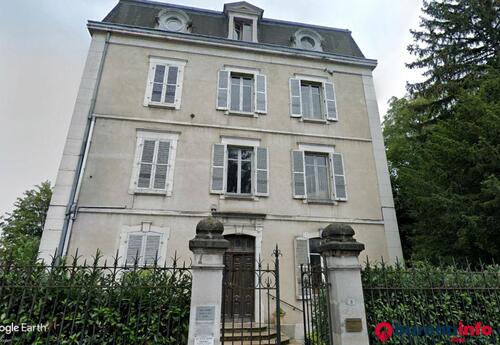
(243, 30)
(173, 20)
(307, 39)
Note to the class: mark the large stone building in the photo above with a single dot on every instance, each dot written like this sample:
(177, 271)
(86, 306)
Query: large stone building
(272, 126)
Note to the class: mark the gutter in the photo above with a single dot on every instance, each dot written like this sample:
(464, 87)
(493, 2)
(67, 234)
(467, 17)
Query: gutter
(72, 207)
(229, 43)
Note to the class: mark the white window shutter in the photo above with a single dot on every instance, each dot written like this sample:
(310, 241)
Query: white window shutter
(134, 249)
(149, 85)
(218, 168)
(161, 168)
(339, 181)
(223, 90)
(261, 171)
(330, 102)
(260, 94)
(178, 87)
(301, 251)
(298, 172)
(146, 164)
(295, 98)
(171, 164)
(152, 248)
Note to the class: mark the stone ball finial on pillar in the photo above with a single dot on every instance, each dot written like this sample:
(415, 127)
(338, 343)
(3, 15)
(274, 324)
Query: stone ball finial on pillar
(338, 240)
(209, 235)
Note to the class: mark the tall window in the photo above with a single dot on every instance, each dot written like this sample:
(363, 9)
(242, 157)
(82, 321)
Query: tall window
(164, 86)
(311, 100)
(239, 170)
(153, 168)
(241, 92)
(242, 30)
(143, 248)
(317, 176)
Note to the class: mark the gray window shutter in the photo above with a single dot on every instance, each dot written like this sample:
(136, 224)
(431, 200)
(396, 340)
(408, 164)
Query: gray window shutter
(339, 177)
(330, 102)
(298, 171)
(261, 172)
(260, 94)
(218, 168)
(301, 249)
(160, 178)
(146, 164)
(134, 248)
(152, 247)
(223, 90)
(295, 98)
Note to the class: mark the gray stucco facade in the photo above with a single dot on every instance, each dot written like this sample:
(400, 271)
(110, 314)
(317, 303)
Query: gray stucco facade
(95, 204)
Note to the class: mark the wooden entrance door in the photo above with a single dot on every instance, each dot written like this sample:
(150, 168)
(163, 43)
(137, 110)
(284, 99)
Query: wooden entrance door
(239, 278)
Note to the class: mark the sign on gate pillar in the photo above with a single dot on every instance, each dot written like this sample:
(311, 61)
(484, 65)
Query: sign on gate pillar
(208, 248)
(347, 307)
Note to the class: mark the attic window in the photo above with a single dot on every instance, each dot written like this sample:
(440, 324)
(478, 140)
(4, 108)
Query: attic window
(173, 20)
(307, 39)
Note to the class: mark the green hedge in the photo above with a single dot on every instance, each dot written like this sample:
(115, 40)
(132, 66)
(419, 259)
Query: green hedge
(95, 304)
(424, 295)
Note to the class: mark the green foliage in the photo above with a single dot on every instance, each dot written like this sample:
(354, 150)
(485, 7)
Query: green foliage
(22, 229)
(443, 139)
(426, 295)
(96, 304)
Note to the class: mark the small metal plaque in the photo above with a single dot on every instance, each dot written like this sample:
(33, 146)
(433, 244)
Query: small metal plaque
(204, 340)
(353, 325)
(205, 313)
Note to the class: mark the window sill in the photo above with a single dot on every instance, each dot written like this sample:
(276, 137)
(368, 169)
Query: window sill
(239, 197)
(241, 113)
(302, 119)
(161, 105)
(150, 192)
(320, 202)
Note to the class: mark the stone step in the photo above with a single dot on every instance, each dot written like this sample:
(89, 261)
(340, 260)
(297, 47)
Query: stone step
(247, 335)
(245, 326)
(284, 341)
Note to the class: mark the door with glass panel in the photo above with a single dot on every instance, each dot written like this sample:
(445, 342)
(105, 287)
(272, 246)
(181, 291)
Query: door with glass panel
(239, 170)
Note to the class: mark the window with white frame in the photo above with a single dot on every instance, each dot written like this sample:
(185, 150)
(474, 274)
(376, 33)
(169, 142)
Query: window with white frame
(173, 20)
(164, 87)
(313, 99)
(143, 244)
(154, 162)
(242, 91)
(318, 174)
(307, 39)
(240, 168)
(243, 30)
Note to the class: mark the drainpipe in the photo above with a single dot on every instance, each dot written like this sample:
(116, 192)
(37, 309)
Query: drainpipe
(71, 208)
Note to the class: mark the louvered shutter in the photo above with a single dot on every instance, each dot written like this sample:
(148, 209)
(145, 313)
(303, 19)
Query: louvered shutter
(339, 177)
(298, 171)
(218, 168)
(178, 85)
(152, 247)
(295, 98)
(260, 94)
(146, 164)
(160, 178)
(262, 172)
(223, 90)
(134, 248)
(330, 102)
(301, 250)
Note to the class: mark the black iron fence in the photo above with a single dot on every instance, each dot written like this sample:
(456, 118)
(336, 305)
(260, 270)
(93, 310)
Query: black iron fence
(315, 305)
(424, 304)
(95, 302)
(251, 310)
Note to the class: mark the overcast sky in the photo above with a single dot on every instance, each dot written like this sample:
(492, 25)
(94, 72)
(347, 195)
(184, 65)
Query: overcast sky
(43, 45)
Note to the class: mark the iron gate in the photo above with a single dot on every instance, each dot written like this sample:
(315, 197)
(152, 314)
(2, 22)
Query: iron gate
(250, 314)
(315, 305)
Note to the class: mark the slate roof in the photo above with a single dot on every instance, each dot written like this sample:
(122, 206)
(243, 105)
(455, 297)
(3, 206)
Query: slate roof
(143, 13)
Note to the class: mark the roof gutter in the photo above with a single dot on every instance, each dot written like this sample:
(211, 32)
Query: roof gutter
(231, 44)
(72, 207)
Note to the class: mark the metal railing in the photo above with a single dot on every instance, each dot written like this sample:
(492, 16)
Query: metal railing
(94, 302)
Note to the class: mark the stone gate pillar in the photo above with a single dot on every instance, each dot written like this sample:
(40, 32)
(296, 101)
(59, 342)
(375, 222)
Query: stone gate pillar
(208, 248)
(347, 307)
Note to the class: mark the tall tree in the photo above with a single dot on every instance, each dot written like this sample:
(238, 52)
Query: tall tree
(443, 139)
(22, 229)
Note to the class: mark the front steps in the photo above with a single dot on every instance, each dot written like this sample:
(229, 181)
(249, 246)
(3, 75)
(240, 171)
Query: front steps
(250, 334)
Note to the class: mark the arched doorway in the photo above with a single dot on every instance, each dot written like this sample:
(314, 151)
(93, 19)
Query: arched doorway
(239, 278)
